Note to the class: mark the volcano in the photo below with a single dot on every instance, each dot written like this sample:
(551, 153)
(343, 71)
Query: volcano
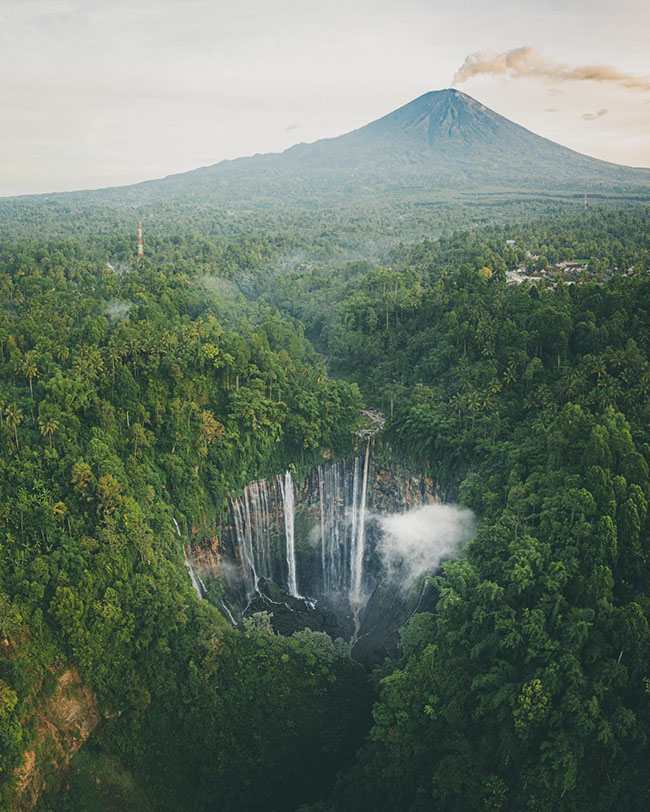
(438, 145)
(442, 145)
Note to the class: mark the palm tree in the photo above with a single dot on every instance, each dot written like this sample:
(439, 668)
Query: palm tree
(134, 346)
(608, 392)
(575, 383)
(510, 374)
(14, 417)
(48, 425)
(63, 353)
(599, 367)
(89, 365)
(30, 370)
(473, 404)
(114, 356)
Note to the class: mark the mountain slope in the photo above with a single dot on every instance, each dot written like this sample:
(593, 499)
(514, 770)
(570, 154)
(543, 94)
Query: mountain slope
(440, 143)
(436, 147)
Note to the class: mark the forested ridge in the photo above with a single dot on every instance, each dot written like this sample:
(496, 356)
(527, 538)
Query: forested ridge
(528, 689)
(133, 396)
(129, 400)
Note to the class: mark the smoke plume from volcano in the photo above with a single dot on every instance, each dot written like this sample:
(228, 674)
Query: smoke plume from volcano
(527, 62)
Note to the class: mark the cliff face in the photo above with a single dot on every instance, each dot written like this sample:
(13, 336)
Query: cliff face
(63, 723)
(217, 551)
(329, 532)
(393, 489)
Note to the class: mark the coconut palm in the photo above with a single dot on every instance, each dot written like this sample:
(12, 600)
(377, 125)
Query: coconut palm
(48, 425)
(14, 417)
(30, 370)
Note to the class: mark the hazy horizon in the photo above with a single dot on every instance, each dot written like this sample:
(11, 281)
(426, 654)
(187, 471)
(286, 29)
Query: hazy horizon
(92, 188)
(99, 95)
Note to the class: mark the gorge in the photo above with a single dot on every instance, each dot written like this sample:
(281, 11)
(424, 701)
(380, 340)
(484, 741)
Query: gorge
(346, 549)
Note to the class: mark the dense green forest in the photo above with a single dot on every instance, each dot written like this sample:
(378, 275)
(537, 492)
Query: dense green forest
(528, 689)
(129, 400)
(136, 394)
(318, 231)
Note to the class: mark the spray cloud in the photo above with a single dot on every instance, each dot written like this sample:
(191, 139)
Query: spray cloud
(526, 62)
(118, 309)
(418, 541)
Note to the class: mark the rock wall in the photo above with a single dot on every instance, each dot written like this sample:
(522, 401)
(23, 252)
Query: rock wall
(63, 723)
(251, 538)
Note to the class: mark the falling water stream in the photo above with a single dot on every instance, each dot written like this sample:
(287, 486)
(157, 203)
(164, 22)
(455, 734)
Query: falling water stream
(197, 583)
(330, 558)
(288, 502)
(263, 524)
(356, 593)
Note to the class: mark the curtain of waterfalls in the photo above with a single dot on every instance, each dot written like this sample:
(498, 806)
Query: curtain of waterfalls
(265, 542)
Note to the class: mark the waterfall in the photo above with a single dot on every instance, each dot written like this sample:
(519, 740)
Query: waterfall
(289, 508)
(241, 521)
(356, 586)
(252, 521)
(327, 544)
(197, 583)
(264, 527)
(229, 613)
(257, 517)
(355, 521)
(342, 498)
(323, 549)
(329, 563)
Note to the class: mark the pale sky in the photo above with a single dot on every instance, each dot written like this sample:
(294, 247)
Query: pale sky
(107, 92)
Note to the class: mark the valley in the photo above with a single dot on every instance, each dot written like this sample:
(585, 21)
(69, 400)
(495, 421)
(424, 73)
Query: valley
(320, 512)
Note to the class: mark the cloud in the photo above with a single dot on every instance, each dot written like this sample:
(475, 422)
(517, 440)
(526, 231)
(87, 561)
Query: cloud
(594, 116)
(527, 62)
(418, 541)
